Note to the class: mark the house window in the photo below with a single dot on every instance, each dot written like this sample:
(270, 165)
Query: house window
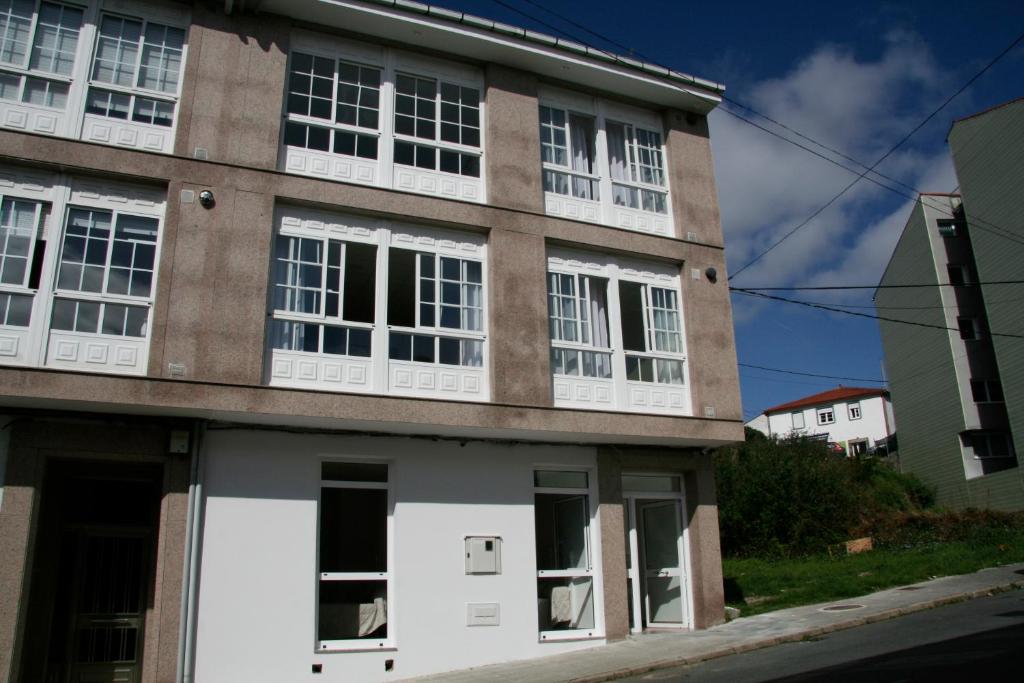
(376, 120)
(333, 106)
(320, 302)
(637, 166)
(987, 391)
(651, 333)
(600, 166)
(946, 227)
(355, 587)
(578, 321)
(853, 410)
(435, 309)
(21, 255)
(437, 125)
(105, 275)
(37, 51)
(798, 420)
(565, 577)
(958, 274)
(991, 444)
(568, 154)
(970, 328)
(616, 331)
(136, 71)
(826, 416)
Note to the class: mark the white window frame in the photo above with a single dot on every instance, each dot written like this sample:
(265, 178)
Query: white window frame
(360, 644)
(604, 209)
(374, 374)
(593, 548)
(23, 288)
(383, 170)
(826, 416)
(600, 357)
(71, 120)
(618, 393)
(41, 344)
(26, 71)
(853, 410)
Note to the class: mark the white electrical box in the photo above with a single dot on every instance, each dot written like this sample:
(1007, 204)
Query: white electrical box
(483, 614)
(483, 555)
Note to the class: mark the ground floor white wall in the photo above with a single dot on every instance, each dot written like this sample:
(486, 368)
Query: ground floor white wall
(258, 581)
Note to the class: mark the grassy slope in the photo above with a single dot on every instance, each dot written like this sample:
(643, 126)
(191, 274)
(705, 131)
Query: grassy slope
(759, 585)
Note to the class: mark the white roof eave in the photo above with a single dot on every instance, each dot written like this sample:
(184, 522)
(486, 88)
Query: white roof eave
(483, 40)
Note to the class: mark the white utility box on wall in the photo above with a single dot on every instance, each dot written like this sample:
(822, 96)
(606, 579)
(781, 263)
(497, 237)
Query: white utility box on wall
(483, 554)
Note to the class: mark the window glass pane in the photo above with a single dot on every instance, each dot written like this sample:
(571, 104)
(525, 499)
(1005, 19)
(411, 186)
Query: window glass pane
(106, 103)
(298, 274)
(423, 349)
(560, 522)
(353, 471)
(650, 482)
(155, 112)
(353, 530)
(359, 343)
(560, 479)
(292, 336)
(352, 609)
(15, 309)
(117, 48)
(400, 346)
(472, 353)
(10, 86)
(56, 38)
(45, 93)
(15, 25)
(565, 603)
(84, 251)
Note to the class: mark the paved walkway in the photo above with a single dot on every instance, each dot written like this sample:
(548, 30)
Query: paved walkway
(649, 652)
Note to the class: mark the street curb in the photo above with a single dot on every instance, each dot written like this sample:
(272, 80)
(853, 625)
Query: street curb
(750, 646)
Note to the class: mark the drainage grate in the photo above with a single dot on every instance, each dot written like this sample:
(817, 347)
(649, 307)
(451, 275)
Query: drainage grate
(841, 608)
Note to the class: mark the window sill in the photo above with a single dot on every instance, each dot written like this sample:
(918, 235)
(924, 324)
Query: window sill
(568, 636)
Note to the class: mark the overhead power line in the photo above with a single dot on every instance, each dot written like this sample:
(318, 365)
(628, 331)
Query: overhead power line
(974, 220)
(810, 374)
(885, 156)
(883, 318)
(842, 287)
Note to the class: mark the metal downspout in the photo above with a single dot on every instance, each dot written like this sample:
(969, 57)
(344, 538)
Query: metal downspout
(193, 543)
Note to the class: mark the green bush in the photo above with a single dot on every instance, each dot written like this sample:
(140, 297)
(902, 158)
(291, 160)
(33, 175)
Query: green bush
(783, 498)
(792, 497)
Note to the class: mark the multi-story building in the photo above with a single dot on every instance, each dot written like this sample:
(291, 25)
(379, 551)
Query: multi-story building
(957, 377)
(858, 419)
(348, 339)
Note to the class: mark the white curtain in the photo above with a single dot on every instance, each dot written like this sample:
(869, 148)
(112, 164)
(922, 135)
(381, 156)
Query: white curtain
(581, 130)
(617, 150)
(599, 312)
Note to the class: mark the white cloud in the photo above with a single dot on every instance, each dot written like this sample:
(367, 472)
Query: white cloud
(767, 186)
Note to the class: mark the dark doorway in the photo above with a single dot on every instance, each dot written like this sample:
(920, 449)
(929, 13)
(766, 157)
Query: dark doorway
(91, 572)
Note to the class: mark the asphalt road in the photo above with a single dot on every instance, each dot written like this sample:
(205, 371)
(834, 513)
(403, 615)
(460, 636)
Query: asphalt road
(983, 637)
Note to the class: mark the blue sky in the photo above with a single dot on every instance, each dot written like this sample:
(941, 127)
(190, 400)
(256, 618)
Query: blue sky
(854, 76)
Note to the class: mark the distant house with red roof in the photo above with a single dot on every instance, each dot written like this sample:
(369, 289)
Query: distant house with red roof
(858, 418)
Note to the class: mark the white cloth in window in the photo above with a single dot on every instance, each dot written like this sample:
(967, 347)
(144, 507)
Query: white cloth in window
(561, 605)
(372, 616)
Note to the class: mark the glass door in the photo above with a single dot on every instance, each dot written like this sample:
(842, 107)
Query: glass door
(656, 559)
(661, 533)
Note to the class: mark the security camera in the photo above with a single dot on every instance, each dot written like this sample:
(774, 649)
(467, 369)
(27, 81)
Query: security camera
(206, 199)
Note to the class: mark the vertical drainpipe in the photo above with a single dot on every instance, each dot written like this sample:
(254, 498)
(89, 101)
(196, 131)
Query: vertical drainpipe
(193, 544)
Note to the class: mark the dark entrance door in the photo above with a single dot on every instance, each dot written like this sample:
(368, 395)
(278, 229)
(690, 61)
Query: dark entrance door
(92, 573)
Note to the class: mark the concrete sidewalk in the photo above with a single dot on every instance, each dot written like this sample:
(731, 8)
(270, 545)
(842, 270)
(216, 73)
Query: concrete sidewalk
(649, 652)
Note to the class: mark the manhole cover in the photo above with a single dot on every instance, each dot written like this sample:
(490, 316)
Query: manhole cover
(841, 608)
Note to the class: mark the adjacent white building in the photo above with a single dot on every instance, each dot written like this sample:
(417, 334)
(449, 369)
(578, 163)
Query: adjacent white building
(859, 419)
